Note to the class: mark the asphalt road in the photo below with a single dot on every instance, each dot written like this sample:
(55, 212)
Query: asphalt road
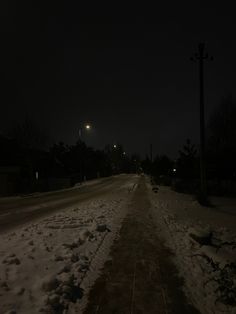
(17, 211)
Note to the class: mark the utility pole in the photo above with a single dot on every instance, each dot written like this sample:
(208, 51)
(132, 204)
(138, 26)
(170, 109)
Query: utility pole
(200, 56)
(151, 152)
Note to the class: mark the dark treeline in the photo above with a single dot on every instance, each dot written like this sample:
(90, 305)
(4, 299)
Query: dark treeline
(27, 166)
(28, 163)
(183, 173)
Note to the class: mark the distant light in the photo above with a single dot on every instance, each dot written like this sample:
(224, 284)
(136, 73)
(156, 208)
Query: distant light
(174, 170)
(87, 126)
(36, 175)
(114, 146)
(124, 153)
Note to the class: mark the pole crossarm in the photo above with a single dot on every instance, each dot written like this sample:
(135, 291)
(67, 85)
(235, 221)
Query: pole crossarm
(201, 54)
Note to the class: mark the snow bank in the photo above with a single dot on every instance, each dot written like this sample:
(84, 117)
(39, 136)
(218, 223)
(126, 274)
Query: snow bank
(204, 243)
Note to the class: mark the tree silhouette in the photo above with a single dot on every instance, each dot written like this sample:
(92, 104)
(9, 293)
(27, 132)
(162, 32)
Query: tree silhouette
(187, 161)
(221, 148)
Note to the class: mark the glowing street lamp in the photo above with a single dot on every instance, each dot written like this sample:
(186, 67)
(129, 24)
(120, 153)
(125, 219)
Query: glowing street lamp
(115, 146)
(87, 127)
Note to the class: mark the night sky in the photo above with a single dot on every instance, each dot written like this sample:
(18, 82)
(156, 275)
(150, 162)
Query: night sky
(125, 70)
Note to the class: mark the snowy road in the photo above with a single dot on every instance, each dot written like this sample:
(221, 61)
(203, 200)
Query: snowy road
(16, 211)
(47, 265)
(139, 276)
(117, 244)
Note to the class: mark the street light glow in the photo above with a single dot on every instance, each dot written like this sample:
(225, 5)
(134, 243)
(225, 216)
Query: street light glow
(114, 146)
(87, 126)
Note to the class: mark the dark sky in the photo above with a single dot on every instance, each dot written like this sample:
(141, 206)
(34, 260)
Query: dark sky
(125, 70)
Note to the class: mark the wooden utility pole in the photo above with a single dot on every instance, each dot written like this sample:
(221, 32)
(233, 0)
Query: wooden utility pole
(151, 152)
(200, 56)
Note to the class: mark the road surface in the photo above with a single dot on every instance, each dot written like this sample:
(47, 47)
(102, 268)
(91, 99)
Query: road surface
(16, 211)
(110, 236)
(140, 276)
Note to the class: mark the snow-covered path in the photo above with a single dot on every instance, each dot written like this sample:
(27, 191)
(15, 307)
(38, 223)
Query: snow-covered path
(140, 276)
(48, 265)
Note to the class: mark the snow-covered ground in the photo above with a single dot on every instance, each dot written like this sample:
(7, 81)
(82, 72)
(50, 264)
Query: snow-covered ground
(204, 242)
(48, 266)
